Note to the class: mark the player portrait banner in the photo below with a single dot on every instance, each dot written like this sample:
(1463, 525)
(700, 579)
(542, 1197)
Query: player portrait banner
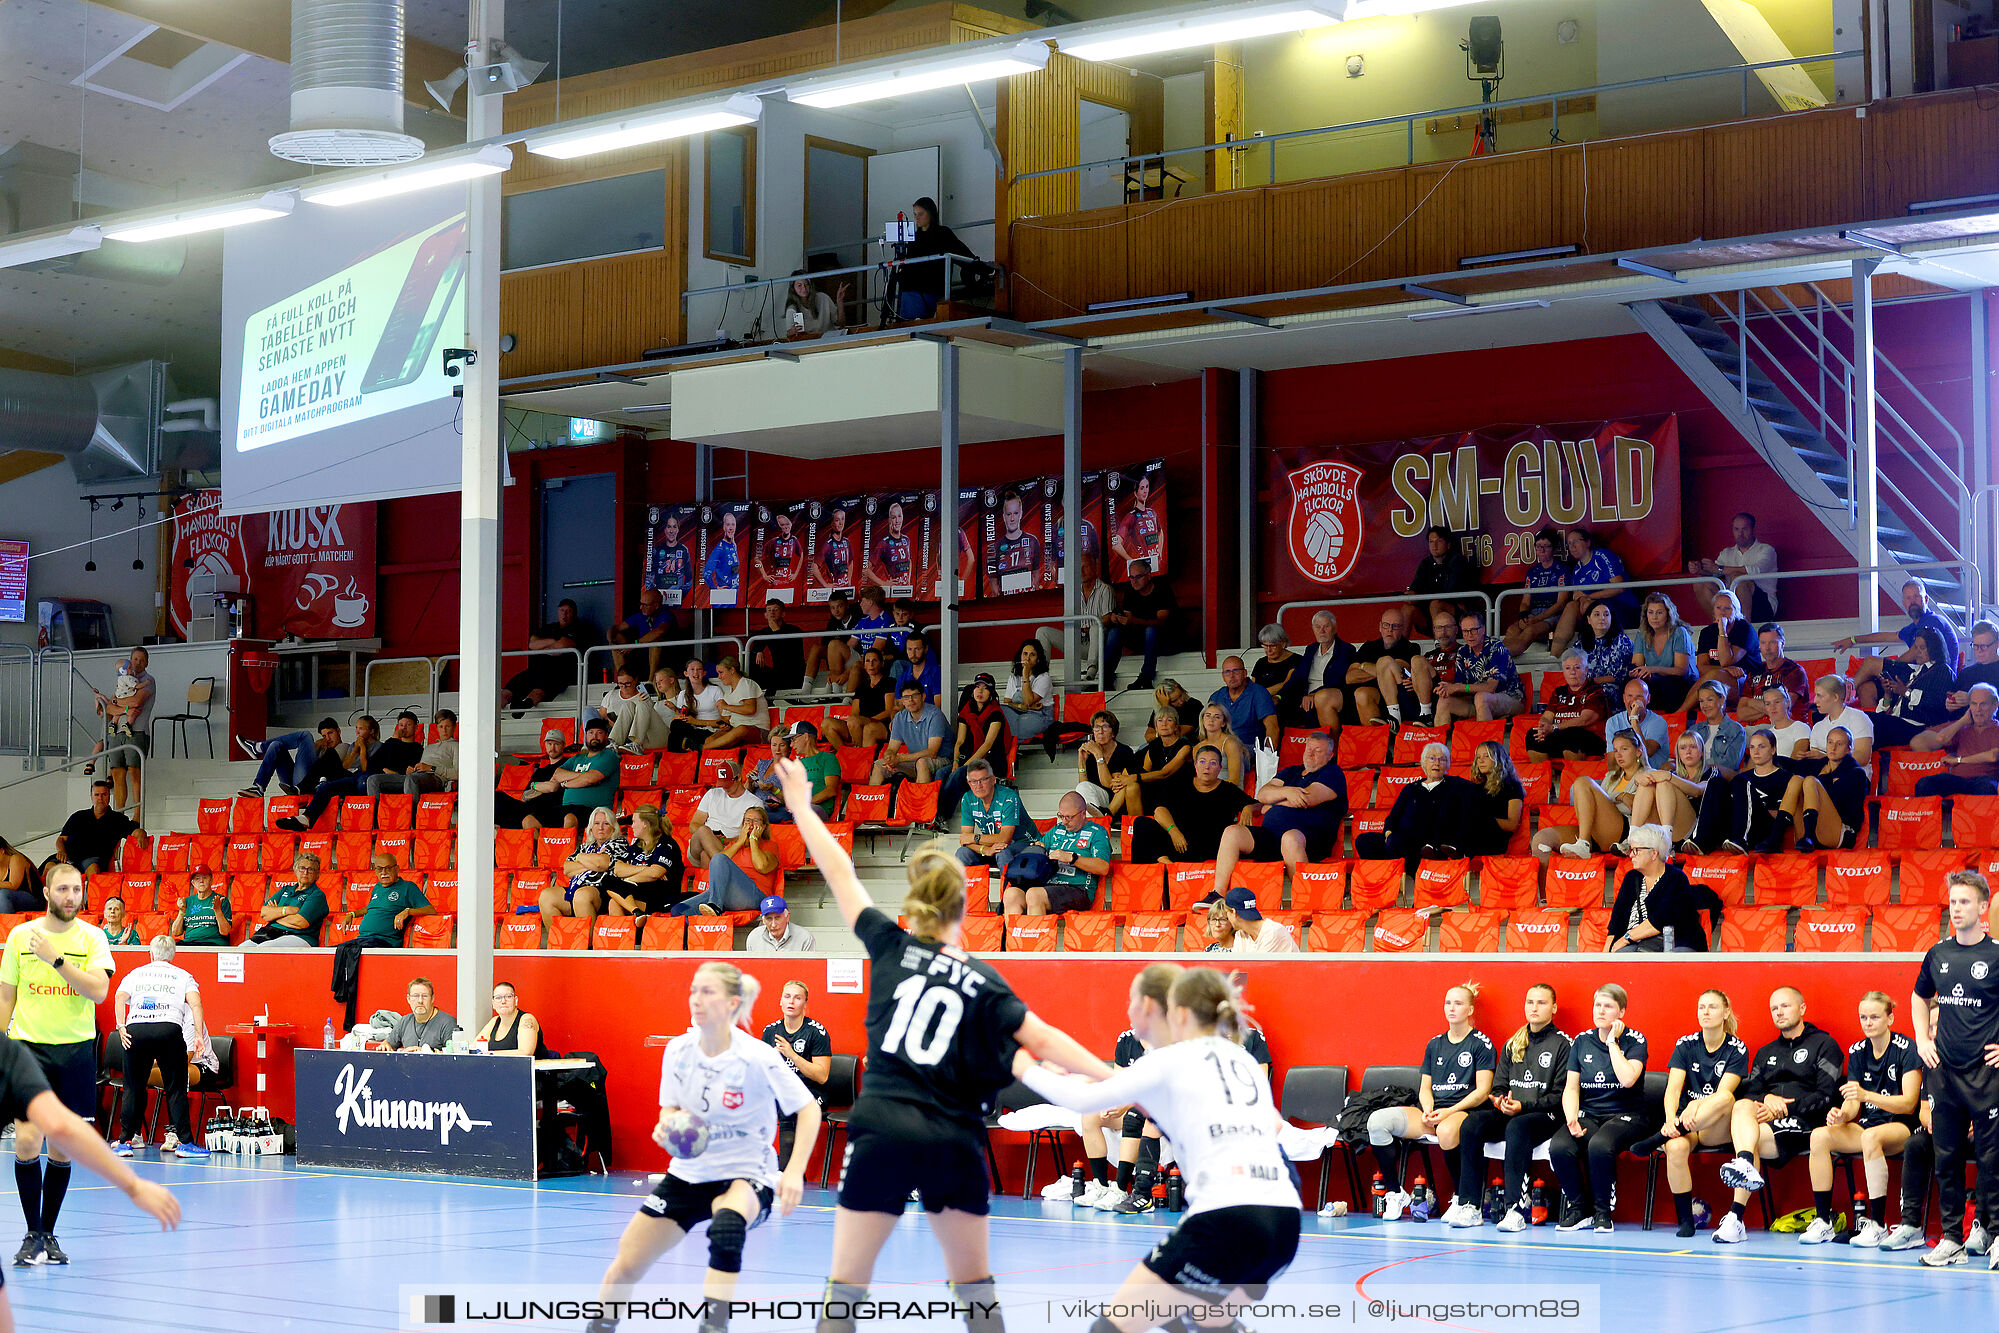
(1352, 520)
(313, 571)
(724, 539)
(898, 527)
(777, 569)
(1135, 516)
(670, 538)
(206, 541)
(1009, 543)
(833, 546)
(1056, 524)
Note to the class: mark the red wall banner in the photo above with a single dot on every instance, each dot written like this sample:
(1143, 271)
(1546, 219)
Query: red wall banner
(313, 573)
(1352, 518)
(206, 542)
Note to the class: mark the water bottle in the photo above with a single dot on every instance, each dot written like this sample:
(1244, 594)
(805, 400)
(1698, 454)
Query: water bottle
(326, 1042)
(1380, 1196)
(1176, 1191)
(1538, 1203)
(1860, 1213)
(1159, 1194)
(1422, 1202)
(1666, 937)
(1077, 1181)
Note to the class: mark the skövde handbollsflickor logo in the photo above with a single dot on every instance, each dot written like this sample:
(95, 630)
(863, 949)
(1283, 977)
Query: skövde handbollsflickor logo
(1326, 526)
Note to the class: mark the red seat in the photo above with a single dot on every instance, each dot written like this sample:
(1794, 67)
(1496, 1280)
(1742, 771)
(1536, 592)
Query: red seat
(513, 779)
(679, 769)
(356, 813)
(1974, 821)
(1902, 769)
(1081, 707)
(633, 799)
(1089, 932)
(1265, 879)
(1786, 879)
(1152, 932)
(1319, 887)
(553, 847)
(1409, 743)
(1593, 930)
(1360, 788)
(1728, 876)
(281, 849)
(395, 813)
(1137, 888)
(664, 934)
(1363, 747)
(570, 932)
(244, 854)
(513, 849)
(1594, 769)
(636, 770)
(351, 851)
(171, 889)
(614, 932)
(204, 849)
(1754, 930)
(1509, 883)
(1375, 885)
(137, 891)
(1831, 929)
(1337, 932)
(680, 805)
(519, 932)
(442, 891)
(1443, 883)
(246, 814)
(1291, 745)
(1369, 821)
(1474, 931)
(434, 810)
(1906, 929)
(1537, 782)
(1908, 824)
(1534, 930)
(337, 932)
(984, 934)
(432, 932)
(354, 897)
(400, 845)
(1469, 735)
(1033, 934)
(1576, 884)
(1390, 782)
(1554, 816)
(1186, 881)
(211, 814)
(565, 725)
(1857, 878)
(1400, 930)
(135, 854)
(1924, 873)
(432, 849)
(978, 890)
(708, 773)
(525, 888)
(868, 805)
(246, 894)
(169, 851)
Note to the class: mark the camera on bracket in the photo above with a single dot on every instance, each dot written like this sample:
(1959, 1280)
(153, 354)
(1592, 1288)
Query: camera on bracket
(453, 355)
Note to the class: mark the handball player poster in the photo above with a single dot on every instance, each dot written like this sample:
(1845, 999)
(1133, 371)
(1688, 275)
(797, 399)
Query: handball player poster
(778, 568)
(1012, 551)
(896, 549)
(725, 532)
(831, 548)
(970, 542)
(670, 564)
(1057, 529)
(1135, 516)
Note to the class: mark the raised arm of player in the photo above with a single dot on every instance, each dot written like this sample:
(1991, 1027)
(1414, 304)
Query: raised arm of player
(1045, 1041)
(827, 854)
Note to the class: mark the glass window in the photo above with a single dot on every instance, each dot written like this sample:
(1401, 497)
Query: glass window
(729, 175)
(565, 223)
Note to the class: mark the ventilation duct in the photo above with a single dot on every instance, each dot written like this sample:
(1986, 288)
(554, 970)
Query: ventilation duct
(107, 423)
(347, 85)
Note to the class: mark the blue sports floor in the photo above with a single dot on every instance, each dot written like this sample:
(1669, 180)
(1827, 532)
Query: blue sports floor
(277, 1247)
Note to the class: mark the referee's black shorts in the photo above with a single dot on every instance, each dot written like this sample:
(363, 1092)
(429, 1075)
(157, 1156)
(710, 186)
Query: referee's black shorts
(894, 1147)
(71, 1069)
(1210, 1254)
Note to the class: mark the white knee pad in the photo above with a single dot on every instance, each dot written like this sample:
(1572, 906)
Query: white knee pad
(1385, 1126)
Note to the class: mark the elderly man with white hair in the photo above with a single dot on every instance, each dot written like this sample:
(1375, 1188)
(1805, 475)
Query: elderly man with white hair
(1970, 748)
(1317, 690)
(1303, 807)
(157, 1009)
(1430, 818)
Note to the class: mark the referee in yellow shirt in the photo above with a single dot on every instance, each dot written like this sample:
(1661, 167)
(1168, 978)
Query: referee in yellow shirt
(54, 972)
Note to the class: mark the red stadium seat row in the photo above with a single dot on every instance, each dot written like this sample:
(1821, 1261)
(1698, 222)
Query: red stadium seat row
(250, 814)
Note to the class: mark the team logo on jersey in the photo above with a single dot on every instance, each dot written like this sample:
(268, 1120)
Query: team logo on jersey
(1326, 525)
(1957, 992)
(1547, 1059)
(1464, 1059)
(1801, 1055)
(1978, 971)
(732, 1099)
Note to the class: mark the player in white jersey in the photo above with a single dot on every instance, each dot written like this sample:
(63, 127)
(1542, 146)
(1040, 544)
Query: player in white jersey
(737, 1085)
(1212, 1102)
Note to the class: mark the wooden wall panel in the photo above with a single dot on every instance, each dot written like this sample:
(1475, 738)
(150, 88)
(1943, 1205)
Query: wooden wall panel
(1629, 194)
(1798, 170)
(630, 303)
(1213, 246)
(543, 309)
(1322, 229)
(1923, 148)
(1479, 206)
(1061, 265)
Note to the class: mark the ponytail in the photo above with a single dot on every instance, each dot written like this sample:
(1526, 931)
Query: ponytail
(1206, 995)
(1516, 1045)
(936, 898)
(743, 987)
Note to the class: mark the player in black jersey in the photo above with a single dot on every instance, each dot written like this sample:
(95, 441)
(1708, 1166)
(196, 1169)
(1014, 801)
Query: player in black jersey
(1524, 1109)
(1702, 1075)
(1603, 1109)
(1884, 1081)
(942, 1030)
(1956, 1010)
(1456, 1079)
(1793, 1082)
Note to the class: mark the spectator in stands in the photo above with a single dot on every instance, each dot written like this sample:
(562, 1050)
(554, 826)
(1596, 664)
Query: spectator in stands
(90, 837)
(203, 916)
(1723, 740)
(742, 875)
(510, 1031)
(1172, 694)
(918, 665)
(1220, 934)
(1607, 648)
(1832, 696)
(1252, 713)
(1443, 654)
(390, 766)
(774, 934)
(993, 828)
(1212, 728)
(873, 704)
(744, 712)
(303, 758)
(437, 770)
(646, 867)
(137, 695)
(1315, 695)
(1484, 683)
(1772, 668)
(20, 882)
(777, 664)
(924, 285)
(293, 911)
(1794, 739)
(1571, 727)
(1664, 659)
(392, 904)
(1253, 931)
(425, 1026)
(718, 819)
(1302, 809)
(694, 709)
(1430, 818)
(1277, 665)
(1915, 702)
(1868, 671)
(1970, 748)
(1655, 897)
(577, 889)
(381, 757)
(1144, 619)
(633, 711)
(1396, 670)
(587, 779)
(1675, 795)
(1746, 558)
(915, 739)
(1166, 765)
(1190, 828)
(1765, 800)
(1028, 701)
(118, 928)
(540, 799)
(1544, 609)
(1726, 650)
(979, 736)
(1597, 568)
(1443, 570)
(841, 618)
(550, 671)
(761, 777)
(1602, 805)
(1984, 668)
(1502, 800)
(1062, 869)
(1107, 770)
(871, 630)
(821, 765)
(653, 623)
(1095, 600)
(808, 311)
(1835, 796)
(1650, 731)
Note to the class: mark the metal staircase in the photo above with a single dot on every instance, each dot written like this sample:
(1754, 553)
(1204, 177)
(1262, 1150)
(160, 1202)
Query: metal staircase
(1806, 432)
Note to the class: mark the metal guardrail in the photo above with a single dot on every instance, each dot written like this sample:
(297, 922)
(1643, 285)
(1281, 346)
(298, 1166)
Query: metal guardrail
(1965, 569)
(664, 645)
(1393, 599)
(773, 636)
(368, 679)
(437, 674)
(1631, 585)
(1066, 686)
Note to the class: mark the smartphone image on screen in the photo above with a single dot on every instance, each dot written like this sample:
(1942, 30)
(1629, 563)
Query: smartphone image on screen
(418, 316)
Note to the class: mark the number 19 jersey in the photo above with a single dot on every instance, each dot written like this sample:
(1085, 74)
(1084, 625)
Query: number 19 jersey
(940, 1025)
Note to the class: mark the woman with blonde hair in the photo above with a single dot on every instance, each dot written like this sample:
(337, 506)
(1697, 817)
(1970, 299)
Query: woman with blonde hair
(1706, 1068)
(1604, 1111)
(1674, 795)
(1876, 1115)
(1523, 1110)
(720, 1075)
(1663, 655)
(646, 867)
(1457, 1067)
(1215, 731)
(1603, 805)
(941, 1030)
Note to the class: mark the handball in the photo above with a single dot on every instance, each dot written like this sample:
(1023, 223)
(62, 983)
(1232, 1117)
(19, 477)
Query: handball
(1703, 1215)
(686, 1134)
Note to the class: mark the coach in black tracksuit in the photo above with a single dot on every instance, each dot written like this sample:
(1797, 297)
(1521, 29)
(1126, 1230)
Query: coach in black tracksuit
(1957, 1032)
(1802, 1069)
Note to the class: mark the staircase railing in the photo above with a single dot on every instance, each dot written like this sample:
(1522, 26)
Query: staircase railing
(138, 807)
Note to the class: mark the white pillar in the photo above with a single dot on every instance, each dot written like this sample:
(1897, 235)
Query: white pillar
(947, 540)
(1865, 477)
(479, 550)
(1072, 510)
(1247, 384)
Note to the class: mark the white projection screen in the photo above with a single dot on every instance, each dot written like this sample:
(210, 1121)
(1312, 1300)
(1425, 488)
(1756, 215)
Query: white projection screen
(334, 321)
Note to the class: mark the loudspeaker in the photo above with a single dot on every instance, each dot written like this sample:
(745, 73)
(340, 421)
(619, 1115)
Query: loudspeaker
(1485, 46)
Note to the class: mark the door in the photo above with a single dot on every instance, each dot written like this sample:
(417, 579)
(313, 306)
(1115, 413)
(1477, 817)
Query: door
(836, 205)
(579, 547)
(1105, 133)
(897, 180)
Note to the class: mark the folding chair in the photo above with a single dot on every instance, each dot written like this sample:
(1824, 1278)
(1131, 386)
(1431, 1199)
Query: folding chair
(1334, 931)
(1908, 824)
(1754, 930)
(1537, 930)
(1150, 932)
(1314, 1096)
(1443, 883)
(1374, 885)
(1320, 886)
(1032, 934)
(1400, 930)
(1475, 930)
(1831, 929)
(1089, 932)
(1576, 884)
(1786, 879)
(1924, 874)
(1509, 883)
(1857, 879)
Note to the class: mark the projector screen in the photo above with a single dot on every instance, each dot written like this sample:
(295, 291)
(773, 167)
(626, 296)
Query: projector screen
(333, 325)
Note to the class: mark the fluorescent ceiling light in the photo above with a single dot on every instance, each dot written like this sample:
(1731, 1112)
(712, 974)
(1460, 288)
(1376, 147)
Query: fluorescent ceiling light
(633, 131)
(921, 76)
(1122, 41)
(1459, 312)
(273, 205)
(53, 245)
(421, 175)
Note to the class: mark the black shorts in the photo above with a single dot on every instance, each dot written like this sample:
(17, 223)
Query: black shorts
(1793, 1136)
(71, 1069)
(1267, 844)
(1210, 1254)
(687, 1203)
(1069, 897)
(894, 1147)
